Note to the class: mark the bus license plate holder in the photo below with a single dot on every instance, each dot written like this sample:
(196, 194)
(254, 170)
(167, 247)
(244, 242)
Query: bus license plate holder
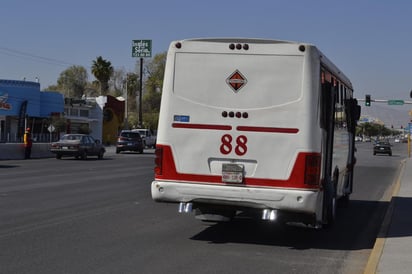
(232, 173)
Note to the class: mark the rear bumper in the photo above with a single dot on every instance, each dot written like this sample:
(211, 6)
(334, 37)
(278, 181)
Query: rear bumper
(305, 201)
(383, 151)
(66, 152)
(126, 148)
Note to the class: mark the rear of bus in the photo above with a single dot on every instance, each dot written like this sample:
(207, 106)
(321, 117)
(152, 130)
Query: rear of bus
(239, 129)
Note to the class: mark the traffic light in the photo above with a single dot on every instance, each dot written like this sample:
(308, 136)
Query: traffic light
(367, 100)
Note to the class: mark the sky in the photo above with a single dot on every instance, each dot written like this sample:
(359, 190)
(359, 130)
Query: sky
(369, 40)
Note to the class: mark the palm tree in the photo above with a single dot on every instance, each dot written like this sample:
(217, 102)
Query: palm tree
(102, 70)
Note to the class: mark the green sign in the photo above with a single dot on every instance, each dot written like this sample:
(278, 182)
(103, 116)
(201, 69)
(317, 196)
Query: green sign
(396, 102)
(142, 48)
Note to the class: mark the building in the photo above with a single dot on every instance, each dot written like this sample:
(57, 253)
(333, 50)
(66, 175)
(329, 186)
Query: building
(113, 117)
(50, 115)
(102, 117)
(23, 105)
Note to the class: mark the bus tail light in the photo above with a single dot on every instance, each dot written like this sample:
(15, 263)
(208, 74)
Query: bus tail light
(312, 169)
(158, 161)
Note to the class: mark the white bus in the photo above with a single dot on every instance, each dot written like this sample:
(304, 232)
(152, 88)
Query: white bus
(254, 127)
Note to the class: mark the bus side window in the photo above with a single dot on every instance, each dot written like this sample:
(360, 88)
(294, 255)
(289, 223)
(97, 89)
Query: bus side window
(353, 113)
(327, 101)
(357, 110)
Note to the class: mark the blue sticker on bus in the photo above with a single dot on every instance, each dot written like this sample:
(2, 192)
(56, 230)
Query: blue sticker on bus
(181, 118)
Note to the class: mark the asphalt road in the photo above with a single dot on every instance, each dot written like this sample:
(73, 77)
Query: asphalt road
(97, 216)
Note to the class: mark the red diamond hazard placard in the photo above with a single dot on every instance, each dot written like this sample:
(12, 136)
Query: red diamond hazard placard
(236, 81)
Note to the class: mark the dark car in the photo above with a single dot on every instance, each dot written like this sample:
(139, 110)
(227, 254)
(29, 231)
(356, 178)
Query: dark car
(382, 148)
(129, 140)
(79, 146)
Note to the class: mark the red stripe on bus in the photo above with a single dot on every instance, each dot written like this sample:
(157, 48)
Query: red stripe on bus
(169, 173)
(268, 129)
(201, 126)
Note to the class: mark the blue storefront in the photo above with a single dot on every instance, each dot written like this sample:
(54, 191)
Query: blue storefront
(22, 105)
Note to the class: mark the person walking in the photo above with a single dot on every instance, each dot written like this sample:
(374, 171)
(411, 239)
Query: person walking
(27, 143)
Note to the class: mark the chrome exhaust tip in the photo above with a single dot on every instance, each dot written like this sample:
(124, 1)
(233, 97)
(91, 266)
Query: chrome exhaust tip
(269, 214)
(185, 207)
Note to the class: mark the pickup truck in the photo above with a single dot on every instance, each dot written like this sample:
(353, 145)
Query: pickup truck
(149, 139)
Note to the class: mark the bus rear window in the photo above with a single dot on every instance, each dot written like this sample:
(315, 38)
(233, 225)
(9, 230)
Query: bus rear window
(265, 80)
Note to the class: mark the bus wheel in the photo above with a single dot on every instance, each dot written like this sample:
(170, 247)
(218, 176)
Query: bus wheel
(332, 210)
(344, 201)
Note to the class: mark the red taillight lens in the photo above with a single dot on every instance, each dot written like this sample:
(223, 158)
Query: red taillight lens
(158, 161)
(312, 169)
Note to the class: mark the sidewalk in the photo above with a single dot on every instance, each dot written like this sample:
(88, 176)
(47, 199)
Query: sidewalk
(392, 252)
(15, 151)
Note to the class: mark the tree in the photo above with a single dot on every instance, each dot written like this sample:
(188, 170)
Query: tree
(92, 89)
(102, 70)
(117, 83)
(155, 70)
(59, 123)
(132, 82)
(53, 88)
(151, 99)
(72, 81)
(84, 129)
(373, 129)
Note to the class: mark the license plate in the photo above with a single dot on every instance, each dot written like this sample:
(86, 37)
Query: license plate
(130, 144)
(232, 173)
(65, 148)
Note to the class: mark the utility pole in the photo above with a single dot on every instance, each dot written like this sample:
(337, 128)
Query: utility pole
(126, 123)
(140, 94)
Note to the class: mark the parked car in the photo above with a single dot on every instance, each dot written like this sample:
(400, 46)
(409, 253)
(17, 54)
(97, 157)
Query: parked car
(129, 140)
(149, 139)
(79, 146)
(382, 147)
(358, 139)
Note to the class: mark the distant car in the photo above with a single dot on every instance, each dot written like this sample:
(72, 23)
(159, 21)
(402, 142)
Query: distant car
(78, 146)
(129, 140)
(382, 148)
(149, 139)
(358, 139)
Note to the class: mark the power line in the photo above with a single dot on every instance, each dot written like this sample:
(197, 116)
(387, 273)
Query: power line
(21, 54)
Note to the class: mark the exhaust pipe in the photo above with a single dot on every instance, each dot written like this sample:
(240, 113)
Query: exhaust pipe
(185, 207)
(269, 214)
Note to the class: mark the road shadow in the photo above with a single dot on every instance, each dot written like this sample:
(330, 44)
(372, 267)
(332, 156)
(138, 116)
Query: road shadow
(401, 219)
(386, 155)
(8, 166)
(89, 158)
(356, 228)
(129, 153)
